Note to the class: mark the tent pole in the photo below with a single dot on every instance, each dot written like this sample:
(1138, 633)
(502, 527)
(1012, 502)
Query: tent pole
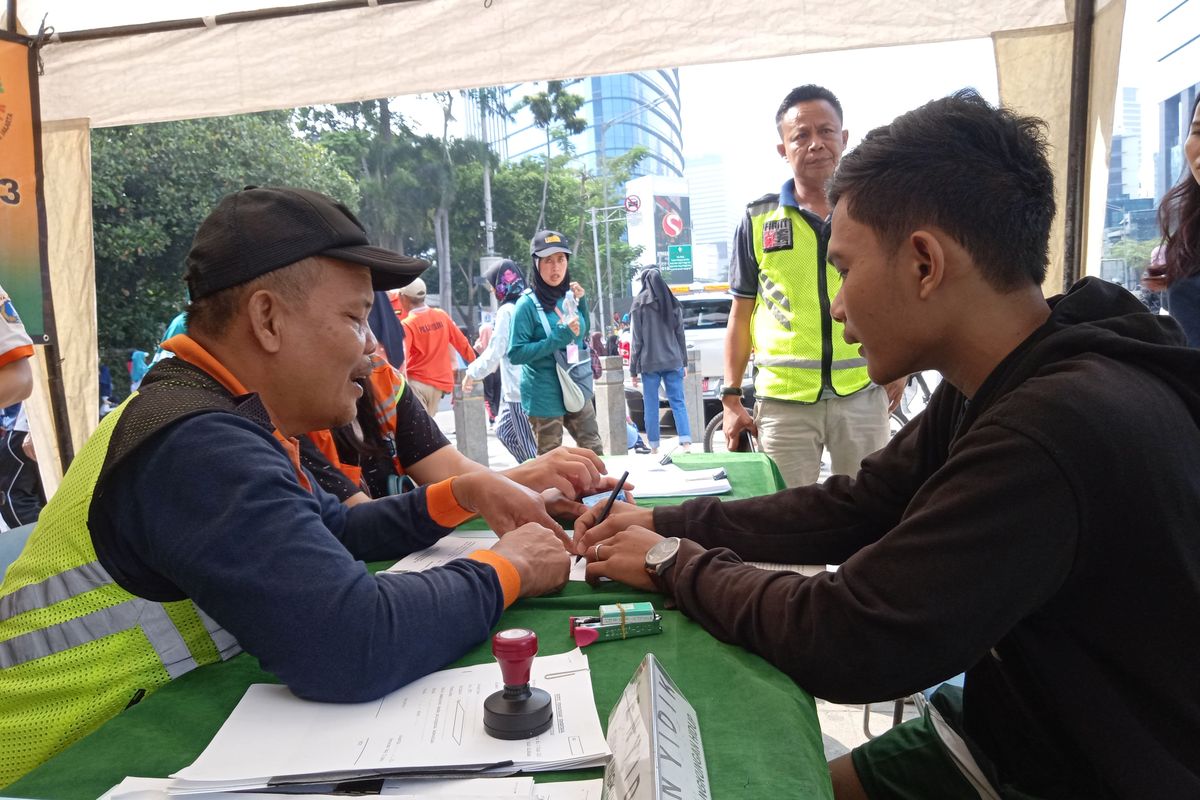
(11, 19)
(1077, 160)
(218, 20)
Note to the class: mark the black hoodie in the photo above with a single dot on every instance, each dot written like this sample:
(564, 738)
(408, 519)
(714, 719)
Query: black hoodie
(1044, 537)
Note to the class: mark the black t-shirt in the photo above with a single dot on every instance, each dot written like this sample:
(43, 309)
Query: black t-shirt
(417, 436)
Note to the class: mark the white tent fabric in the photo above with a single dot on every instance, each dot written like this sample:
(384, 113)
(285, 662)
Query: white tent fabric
(424, 45)
(67, 160)
(412, 47)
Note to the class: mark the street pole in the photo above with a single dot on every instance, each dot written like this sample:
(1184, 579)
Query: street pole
(608, 259)
(603, 166)
(596, 260)
(488, 227)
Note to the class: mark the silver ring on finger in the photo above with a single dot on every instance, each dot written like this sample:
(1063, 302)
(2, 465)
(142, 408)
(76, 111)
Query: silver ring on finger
(596, 554)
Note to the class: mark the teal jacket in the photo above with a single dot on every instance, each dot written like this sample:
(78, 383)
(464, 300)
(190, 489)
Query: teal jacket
(529, 347)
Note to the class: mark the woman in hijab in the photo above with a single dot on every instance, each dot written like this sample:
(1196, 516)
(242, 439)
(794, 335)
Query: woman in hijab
(550, 330)
(659, 355)
(512, 425)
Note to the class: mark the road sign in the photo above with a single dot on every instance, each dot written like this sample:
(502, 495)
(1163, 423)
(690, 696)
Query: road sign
(679, 256)
(672, 224)
(633, 203)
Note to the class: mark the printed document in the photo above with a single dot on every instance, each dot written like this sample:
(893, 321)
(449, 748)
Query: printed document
(443, 551)
(395, 788)
(650, 478)
(434, 724)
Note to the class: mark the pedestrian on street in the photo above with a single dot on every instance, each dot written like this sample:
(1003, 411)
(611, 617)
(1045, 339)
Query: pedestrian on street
(550, 330)
(659, 355)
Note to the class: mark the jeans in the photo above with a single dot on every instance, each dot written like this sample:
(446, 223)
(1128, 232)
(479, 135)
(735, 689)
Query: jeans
(672, 380)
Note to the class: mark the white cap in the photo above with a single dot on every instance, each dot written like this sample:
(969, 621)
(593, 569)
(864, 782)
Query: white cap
(416, 289)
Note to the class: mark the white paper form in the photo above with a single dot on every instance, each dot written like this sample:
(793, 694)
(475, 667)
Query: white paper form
(570, 790)
(398, 789)
(395, 788)
(649, 478)
(443, 551)
(434, 722)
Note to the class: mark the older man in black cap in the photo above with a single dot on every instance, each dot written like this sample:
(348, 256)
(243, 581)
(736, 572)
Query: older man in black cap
(186, 531)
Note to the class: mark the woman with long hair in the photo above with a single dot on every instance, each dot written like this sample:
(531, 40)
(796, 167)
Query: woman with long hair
(1179, 219)
(659, 354)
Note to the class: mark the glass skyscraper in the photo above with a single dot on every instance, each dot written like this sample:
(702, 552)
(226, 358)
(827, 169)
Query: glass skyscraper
(623, 111)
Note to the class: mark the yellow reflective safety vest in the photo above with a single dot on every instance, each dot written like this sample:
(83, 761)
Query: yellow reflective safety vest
(798, 347)
(76, 648)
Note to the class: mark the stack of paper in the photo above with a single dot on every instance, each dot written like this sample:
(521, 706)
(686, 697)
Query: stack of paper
(397, 788)
(649, 478)
(432, 726)
(443, 551)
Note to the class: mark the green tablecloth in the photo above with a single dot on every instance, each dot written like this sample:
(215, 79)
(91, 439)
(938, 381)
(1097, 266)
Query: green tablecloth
(760, 731)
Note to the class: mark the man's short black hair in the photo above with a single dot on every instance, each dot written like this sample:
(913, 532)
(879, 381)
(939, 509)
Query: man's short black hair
(802, 94)
(978, 172)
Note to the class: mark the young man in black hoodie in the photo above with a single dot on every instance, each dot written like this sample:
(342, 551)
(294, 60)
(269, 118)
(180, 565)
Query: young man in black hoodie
(1037, 527)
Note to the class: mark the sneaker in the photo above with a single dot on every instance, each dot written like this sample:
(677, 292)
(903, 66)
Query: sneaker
(640, 448)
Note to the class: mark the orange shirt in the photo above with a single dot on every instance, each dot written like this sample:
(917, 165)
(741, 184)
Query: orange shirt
(429, 333)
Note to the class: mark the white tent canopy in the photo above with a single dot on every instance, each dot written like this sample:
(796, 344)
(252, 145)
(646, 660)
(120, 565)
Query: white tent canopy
(216, 61)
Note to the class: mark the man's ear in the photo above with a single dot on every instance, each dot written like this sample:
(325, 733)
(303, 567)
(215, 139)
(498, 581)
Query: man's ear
(779, 148)
(928, 260)
(265, 311)
(845, 138)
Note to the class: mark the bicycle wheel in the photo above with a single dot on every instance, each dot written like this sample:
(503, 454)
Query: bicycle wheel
(714, 438)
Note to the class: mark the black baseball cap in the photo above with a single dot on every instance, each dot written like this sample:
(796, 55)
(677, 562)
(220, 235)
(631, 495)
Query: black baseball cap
(548, 242)
(262, 229)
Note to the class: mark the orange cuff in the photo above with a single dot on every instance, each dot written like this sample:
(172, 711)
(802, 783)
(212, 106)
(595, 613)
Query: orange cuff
(510, 579)
(442, 506)
(16, 354)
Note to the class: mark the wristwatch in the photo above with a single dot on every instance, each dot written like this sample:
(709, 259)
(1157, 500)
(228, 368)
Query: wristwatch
(731, 391)
(661, 557)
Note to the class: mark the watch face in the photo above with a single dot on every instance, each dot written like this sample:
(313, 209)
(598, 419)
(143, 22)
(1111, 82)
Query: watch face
(662, 554)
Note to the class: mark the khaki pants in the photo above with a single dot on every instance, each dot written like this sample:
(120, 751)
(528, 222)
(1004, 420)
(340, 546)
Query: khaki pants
(581, 424)
(796, 434)
(430, 396)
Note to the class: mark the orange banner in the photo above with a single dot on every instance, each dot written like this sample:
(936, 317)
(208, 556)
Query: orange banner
(22, 211)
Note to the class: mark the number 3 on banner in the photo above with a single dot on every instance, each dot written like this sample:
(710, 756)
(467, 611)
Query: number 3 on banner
(10, 192)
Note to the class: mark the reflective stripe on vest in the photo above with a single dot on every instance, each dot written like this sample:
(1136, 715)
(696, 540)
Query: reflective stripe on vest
(157, 627)
(74, 645)
(803, 363)
(800, 350)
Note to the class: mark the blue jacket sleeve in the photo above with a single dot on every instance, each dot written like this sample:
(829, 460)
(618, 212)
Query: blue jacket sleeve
(211, 510)
(525, 348)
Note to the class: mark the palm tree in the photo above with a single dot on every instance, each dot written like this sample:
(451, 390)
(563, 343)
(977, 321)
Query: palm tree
(555, 105)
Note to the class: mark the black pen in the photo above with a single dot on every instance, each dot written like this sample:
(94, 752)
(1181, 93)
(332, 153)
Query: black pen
(612, 498)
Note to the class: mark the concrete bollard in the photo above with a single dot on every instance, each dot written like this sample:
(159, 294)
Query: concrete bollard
(693, 396)
(610, 406)
(470, 423)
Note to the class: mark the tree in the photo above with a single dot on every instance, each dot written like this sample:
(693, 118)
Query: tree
(516, 188)
(378, 149)
(151, 187)
(555, 105)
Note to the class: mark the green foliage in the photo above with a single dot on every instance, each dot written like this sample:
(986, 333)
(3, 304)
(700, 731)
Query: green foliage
(153, 184)
(151, 187)
(555, 111)
(1135, 253)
